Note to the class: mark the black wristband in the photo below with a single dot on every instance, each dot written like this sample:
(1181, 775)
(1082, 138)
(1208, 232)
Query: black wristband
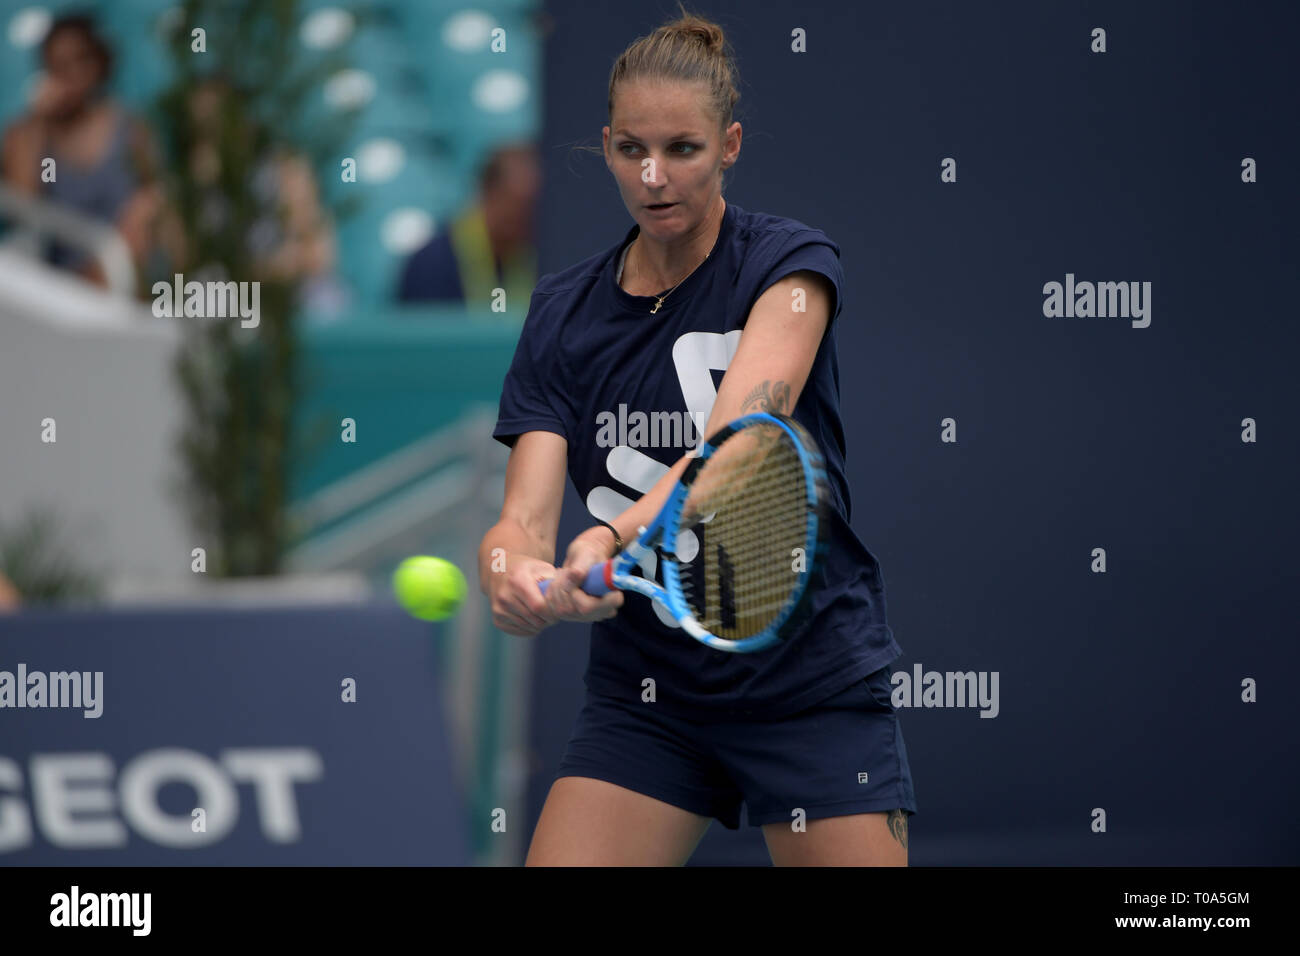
(618, 540)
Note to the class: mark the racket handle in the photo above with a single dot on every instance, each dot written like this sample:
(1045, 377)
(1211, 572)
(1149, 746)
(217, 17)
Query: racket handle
(597, 583)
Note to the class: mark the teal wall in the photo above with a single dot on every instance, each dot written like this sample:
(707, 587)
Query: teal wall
(400, 375)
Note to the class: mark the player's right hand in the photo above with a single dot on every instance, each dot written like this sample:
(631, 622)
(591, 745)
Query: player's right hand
(518, 605)
(565, 597)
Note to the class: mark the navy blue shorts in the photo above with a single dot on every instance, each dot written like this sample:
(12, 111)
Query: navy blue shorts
(844, 755)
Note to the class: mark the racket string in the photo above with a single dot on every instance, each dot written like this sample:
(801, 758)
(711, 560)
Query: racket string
(747, 565)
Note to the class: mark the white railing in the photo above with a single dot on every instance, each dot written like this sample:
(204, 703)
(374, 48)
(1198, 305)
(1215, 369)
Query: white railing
(93, 236)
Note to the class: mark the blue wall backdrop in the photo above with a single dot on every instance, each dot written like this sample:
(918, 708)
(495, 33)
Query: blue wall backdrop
(1119, 690)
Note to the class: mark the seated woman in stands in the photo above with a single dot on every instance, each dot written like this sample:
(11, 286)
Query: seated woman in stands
(105, 161)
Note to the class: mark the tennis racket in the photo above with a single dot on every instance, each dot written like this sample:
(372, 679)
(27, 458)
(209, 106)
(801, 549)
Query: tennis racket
(754, 499)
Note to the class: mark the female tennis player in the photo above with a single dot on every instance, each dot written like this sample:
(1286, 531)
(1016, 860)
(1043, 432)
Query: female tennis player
(704, 312)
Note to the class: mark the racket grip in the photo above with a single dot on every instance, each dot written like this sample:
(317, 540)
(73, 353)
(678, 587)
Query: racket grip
(596, 583)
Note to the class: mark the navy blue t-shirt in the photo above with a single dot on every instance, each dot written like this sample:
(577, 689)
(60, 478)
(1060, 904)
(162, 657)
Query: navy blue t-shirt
(590, 357)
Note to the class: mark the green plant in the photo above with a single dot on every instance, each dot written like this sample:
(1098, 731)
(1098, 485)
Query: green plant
(41, 566)
(232, 113)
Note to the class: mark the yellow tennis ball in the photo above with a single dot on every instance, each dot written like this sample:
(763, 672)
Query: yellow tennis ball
(431, 589)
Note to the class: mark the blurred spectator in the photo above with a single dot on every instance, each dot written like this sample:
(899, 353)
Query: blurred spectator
(487, 247)
(292, 238)
(9, 599)
(106, 161)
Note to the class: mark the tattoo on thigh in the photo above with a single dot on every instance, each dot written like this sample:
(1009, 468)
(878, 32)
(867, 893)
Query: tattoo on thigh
(897, 821)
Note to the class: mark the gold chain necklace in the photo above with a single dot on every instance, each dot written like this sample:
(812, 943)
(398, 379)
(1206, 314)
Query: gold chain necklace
(659, 299)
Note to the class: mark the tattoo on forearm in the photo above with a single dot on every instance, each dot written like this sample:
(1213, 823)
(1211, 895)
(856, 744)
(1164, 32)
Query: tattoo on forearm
(897, 821)
(767, 397)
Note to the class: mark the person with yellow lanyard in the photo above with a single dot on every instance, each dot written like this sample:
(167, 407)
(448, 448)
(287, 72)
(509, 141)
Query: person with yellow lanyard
(489, 246)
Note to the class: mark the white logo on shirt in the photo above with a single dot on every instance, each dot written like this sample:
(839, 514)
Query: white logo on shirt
(695, 356)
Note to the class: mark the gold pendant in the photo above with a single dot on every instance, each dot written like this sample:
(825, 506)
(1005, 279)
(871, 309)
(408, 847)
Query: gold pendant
(656, 308)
